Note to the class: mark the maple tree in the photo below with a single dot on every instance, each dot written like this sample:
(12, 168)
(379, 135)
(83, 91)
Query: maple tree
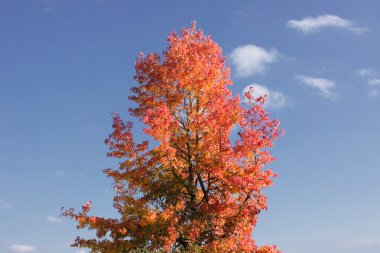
(197, 190)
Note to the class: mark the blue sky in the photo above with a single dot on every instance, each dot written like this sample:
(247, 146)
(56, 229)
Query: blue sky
(66, 65)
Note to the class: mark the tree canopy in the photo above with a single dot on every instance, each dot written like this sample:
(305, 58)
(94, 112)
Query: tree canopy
(198, 188)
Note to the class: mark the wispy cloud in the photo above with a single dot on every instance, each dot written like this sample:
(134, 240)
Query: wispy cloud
(22, 248)
(373, 93)
(314, 24)
(275, 99)
(50, 5)
(4, 204)
(251, 60)
(53, 219)
(374, 82)
(374, 87)
(364, 243)
(60, 174)
(366, 72)
(324, 86)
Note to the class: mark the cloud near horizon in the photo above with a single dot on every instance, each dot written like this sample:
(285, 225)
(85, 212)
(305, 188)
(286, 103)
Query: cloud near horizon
(275, 100)
(324, 86)
(364, 243)
(53, 219)
(4, 204)
(22, 248)
(250, 60)
(315, 24)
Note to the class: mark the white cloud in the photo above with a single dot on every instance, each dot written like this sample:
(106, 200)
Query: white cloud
(314, 24)
(22, 248)
(374, 82)
(4, 204)
(81, 251)
(250, 60)
(53, 219)
(275, 99)
(366, 72)
(324, 86)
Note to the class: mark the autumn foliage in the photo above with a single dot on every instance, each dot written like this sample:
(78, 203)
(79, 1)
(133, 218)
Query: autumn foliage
(198, 189)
